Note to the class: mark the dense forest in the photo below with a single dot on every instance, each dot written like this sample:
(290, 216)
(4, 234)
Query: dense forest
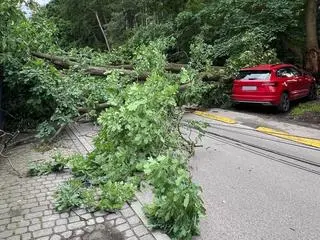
(230, 27)
(131, 66)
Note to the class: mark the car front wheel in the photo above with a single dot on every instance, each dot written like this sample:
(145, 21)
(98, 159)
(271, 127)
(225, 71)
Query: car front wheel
(313, 92)
(284, 105)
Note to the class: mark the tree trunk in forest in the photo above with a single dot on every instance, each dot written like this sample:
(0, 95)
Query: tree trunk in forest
(312, 58)
(102, 31)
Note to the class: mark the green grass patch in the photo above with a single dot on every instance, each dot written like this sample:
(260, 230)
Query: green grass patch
(309, 107)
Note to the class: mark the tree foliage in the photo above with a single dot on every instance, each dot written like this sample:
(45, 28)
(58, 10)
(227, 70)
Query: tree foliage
(220, 23)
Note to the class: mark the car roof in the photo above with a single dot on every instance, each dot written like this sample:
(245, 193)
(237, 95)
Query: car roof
(266, 67)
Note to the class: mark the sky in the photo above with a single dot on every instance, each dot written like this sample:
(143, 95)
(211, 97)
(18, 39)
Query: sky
(42, 2)
(27, 11)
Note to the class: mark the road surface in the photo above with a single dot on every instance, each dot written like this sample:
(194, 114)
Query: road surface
(256, 186)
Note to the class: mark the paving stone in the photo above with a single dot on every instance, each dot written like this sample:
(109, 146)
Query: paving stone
(99, 219)
(26, 236)
(123, 227)
(20, 230)
(42, 194)
(51, 217)
(42, 232)
(48, 224)
(73, 219)
(45, 203)
(134, 221)
(140, 230)
(33, 215)
(100, 227)
(16, 219)
(59, 229)
(62, 221)
(24, 223)
(81, 211)
(31, 200)
(96, 235)
(91, 222)
(2, 228)
(55, 237)
(87, 216)
(147, 237)
(49, 198)
(119, 221)
(30, 205)
(127, 212)
(76, 225)
(111, 222)
(44, 238)
(47, 212)
(6, 234)
(12, 226)
(6, 210)
(67, 234)
(128, 233)
(99, 214)
(3, 206)
(79, 232)
(24, 211)
(111, 216)
(4, 215)
(89, 229)
(35, 227)
(132, 238)
(4, 221)
(76, 238)
(16, 237)
(41, 199)
(38, 209)
(35, 221)
(64, 215)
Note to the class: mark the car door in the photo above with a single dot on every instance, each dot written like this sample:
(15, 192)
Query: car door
(303, 85)
(290, 81)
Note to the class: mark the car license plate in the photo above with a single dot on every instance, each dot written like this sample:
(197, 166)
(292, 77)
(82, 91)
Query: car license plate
(249, 88)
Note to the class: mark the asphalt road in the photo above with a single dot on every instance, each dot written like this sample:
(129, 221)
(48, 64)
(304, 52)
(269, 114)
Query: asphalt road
(255, 186)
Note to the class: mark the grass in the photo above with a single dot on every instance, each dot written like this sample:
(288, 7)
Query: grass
(308, 107)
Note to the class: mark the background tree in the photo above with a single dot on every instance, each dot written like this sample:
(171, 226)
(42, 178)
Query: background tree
(312, 60)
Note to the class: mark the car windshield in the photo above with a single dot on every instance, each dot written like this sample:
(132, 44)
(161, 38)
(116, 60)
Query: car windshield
(254, 75)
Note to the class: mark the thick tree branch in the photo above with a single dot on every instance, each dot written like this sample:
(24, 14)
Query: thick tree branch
(124, 69)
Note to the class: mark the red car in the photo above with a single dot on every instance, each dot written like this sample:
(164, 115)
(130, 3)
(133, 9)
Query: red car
(273, 84)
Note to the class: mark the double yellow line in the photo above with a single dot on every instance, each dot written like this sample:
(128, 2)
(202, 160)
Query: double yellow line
(284, 135)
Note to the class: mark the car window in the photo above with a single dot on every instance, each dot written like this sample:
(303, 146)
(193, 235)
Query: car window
(285, 72)
(254, 75)
(296, 72)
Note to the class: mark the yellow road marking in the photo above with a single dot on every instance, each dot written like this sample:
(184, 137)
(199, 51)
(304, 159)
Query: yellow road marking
(307, 141)
(215, 117)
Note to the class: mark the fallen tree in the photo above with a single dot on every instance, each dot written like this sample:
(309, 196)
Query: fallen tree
(92, 70)
(61, 62)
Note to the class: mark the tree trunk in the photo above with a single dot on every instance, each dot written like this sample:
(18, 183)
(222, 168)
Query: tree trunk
(125, 69)
(312, 59)
(95, 71)
(102, 31)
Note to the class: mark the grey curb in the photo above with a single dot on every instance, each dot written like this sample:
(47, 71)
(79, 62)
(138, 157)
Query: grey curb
(138, 209)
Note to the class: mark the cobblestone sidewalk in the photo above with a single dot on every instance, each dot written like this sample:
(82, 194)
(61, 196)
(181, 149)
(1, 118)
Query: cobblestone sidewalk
(27, 206)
